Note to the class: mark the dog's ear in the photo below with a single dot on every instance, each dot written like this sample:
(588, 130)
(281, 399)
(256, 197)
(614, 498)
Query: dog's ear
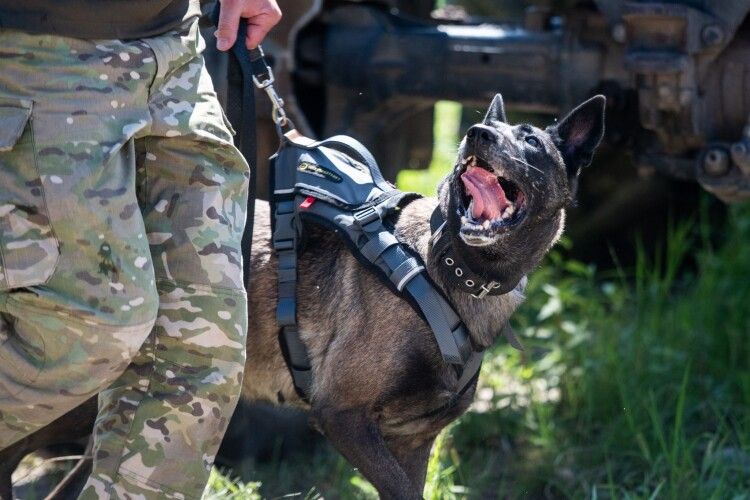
(578, 134)
(496, 112)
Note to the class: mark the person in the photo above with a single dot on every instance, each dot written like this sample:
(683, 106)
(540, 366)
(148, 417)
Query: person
(122, 206)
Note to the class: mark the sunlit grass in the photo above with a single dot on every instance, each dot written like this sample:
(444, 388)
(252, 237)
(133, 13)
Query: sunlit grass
(222, 486)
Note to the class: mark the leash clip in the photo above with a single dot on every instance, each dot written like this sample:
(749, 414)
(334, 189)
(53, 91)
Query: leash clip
(264, 79)
(269, 78)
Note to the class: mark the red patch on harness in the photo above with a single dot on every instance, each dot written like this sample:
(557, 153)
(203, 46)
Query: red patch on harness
(307, 203)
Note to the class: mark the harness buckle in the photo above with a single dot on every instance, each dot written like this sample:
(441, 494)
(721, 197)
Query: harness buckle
(279, 245)
(486, 289)
(366, 216)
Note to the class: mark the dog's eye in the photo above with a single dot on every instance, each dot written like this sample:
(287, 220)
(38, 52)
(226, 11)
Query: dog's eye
(530, 139)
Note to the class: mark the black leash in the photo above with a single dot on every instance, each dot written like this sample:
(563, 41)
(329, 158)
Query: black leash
(247, 143)
(255, 73)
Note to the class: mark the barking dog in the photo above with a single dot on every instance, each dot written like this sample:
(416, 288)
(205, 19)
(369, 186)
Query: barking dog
(381, 390)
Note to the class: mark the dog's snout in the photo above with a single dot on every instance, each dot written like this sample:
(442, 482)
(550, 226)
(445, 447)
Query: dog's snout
(482, 135)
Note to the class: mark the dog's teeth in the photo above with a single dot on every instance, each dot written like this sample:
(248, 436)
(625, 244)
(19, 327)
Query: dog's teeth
(464, 220)
(508, 212)
(486, 224)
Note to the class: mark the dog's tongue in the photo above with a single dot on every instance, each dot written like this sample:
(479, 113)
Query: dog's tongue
(489, 198)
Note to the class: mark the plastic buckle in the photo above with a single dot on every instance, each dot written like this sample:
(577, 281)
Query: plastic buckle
(486, 288)
(366, 216)
(279, 245)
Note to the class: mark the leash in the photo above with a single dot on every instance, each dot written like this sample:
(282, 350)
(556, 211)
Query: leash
(256, 73)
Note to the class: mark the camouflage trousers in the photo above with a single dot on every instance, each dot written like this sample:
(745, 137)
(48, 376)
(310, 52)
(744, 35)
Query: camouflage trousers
(122, 204)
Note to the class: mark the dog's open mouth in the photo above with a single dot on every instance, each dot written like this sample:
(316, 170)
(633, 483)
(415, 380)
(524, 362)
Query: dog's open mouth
(491, 203)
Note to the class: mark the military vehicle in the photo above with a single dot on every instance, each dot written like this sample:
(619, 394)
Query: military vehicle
(676, 74)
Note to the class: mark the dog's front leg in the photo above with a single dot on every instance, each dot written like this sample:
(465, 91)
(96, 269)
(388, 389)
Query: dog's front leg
(357, 436)
(414, 460)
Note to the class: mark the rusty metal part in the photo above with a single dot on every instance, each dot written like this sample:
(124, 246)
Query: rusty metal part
(724, 170)
(740, 152)
(716, 162)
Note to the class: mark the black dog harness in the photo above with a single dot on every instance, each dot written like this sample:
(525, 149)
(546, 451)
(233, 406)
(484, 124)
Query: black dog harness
(337, 183)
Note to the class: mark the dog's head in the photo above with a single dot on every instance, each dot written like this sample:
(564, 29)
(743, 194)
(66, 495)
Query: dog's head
(505, 199)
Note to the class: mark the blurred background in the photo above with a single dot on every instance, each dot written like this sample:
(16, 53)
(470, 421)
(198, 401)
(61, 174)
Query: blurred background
(635, 381)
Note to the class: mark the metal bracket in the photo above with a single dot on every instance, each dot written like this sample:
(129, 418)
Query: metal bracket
(486, 289)
(263, 79)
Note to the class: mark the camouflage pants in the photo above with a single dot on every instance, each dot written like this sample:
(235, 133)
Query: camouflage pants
(122, 204)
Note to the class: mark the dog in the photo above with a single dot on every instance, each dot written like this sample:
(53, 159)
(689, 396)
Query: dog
(381, 390)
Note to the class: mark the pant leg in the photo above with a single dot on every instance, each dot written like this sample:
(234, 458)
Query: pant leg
(163, 421)
(78, 294)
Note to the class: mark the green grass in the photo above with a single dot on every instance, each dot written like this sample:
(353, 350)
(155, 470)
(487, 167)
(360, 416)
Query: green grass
(635, 383)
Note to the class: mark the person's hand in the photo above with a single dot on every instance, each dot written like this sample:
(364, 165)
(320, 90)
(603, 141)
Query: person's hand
(261, 15)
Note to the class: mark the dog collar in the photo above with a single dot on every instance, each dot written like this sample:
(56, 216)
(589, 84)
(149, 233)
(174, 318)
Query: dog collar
(453, 268)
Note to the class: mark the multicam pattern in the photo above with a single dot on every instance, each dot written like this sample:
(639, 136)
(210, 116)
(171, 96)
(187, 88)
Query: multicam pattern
(29, 249)
(122, 206)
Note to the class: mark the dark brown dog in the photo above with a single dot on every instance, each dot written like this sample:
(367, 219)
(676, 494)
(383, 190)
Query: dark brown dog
(381, 390)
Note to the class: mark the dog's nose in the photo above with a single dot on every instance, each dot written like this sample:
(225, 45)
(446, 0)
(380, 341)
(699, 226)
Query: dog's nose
(482, 134)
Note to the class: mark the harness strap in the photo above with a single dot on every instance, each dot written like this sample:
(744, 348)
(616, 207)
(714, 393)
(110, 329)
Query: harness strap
(285, 239)
(470, 371)
(379, 244)
(399, 266)
(405, 271)
(450, 333)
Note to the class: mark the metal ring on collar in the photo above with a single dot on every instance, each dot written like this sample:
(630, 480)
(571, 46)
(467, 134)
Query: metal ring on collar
(469, 283)
(449, 261)
(459, 272)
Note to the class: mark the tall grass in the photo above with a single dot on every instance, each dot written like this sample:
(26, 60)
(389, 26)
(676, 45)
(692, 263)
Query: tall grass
(649, 377)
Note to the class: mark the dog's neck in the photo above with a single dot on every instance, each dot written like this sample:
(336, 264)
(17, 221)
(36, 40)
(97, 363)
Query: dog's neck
(458, 272)
(485, 318)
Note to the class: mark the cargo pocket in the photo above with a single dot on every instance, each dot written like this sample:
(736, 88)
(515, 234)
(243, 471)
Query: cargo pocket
(28, 247)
